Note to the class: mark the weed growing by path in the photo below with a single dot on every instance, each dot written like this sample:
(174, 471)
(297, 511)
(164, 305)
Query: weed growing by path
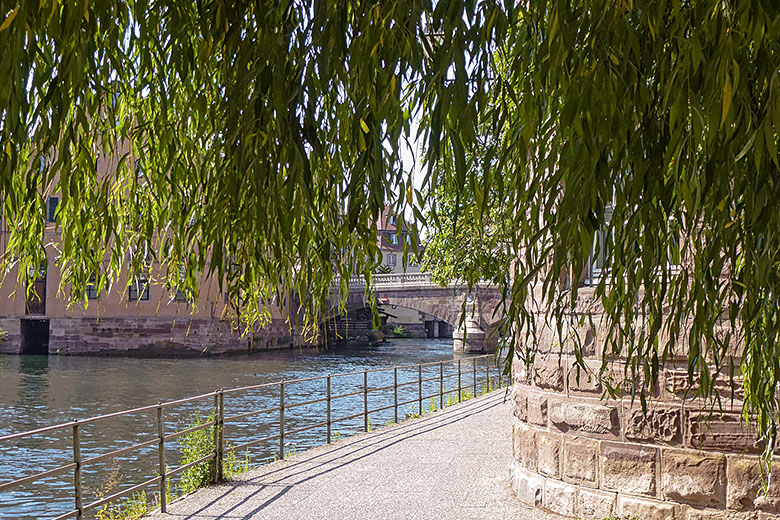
(130, 508)
(192, 446)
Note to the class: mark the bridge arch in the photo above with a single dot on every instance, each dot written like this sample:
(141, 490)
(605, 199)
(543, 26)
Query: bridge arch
(416, 291)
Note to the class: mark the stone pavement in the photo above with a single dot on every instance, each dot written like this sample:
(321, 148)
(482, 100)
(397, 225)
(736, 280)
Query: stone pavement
(450, 464)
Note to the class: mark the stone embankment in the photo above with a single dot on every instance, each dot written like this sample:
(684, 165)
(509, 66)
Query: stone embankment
(145, 336)
(584, 457)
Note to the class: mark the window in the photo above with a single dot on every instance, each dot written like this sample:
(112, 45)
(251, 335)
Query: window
(394, 238)
(181, 296)
(600, 260)
(391, 220)
(601, 250)
(92, 289)
(391, 260)
(53, 203)
(601, 253)
(139, 289)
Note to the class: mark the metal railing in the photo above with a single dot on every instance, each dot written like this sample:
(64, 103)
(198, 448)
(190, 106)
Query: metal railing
(220, 420)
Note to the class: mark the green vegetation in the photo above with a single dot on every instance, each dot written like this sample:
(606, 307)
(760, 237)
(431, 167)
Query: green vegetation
(451, 398)
(401, 332)
(383, 269)
(3, 335)
(199, 444)
(467, 243)
(132, 508)
(192, 446)
(649, 129)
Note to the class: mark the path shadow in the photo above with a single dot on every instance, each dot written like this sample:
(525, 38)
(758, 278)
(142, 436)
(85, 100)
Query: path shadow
(347, 451)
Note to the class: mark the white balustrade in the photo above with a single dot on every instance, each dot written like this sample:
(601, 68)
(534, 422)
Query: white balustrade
(391, 279)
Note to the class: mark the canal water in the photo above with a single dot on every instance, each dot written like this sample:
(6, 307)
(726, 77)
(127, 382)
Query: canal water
(38, 391)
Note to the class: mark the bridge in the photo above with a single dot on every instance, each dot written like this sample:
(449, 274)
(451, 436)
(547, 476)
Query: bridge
(474, 331)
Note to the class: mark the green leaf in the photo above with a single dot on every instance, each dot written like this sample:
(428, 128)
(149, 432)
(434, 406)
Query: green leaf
(8, 19)
(727, 93)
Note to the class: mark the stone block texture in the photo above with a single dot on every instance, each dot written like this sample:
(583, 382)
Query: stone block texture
(694, 477)
(629, 468)
(157, 336)
(590, 458)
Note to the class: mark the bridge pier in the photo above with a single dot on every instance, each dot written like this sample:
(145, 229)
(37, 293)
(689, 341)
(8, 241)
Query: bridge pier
(470, 337)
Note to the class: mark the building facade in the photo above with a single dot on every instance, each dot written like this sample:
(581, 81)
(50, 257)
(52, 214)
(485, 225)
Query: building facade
(135, 317)
(391, 240)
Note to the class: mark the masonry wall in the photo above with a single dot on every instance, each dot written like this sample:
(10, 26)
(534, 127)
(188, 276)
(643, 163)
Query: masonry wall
(585, 457)
(151, 336)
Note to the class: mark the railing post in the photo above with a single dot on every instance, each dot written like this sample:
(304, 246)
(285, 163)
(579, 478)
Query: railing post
(161, 458)
(365, 401)
(395, 393)
(215, 476)
(327, 406)
(487, 374)
(441, 385)
(419, 389)
(77, 470)
(221, 443)
(281, 420)
(459, 386)
(474, 377)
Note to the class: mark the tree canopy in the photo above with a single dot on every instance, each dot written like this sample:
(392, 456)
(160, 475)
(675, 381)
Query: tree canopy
(259, 141)
(466, 245)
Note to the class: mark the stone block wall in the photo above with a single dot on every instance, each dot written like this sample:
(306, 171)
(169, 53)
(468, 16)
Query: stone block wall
(582, 456)
(159, 336)
(13, 342)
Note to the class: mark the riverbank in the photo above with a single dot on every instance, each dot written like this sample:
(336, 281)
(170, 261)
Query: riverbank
(163, 337)
(453, 463)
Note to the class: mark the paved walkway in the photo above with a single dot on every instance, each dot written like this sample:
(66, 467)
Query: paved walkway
(451, 464)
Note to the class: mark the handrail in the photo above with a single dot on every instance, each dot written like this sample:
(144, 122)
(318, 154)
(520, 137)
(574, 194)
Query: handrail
(111, 415)
(221, 419)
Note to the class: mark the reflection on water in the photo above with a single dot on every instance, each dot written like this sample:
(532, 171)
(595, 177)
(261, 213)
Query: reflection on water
(37, 391)
(33, 389)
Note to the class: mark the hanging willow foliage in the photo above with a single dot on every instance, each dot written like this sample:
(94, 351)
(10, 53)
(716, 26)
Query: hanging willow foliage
(254, 141)
(259, 142)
